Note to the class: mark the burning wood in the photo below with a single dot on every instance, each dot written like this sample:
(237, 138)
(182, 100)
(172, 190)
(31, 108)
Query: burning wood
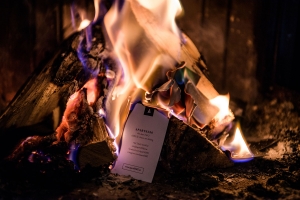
(157, 65)
(86, 130)
(188, 149)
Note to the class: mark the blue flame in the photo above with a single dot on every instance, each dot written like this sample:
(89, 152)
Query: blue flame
(73, 154)
(84, 47)
(241, 160)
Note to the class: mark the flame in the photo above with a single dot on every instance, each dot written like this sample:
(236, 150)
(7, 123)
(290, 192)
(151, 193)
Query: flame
(83, 24)
(222, 102)
(79, 10)
(145, 42)
(97, 9)
(73, 153)
(92, 90)
(238, 147)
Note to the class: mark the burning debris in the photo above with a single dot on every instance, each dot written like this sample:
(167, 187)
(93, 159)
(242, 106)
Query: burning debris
(91, 86)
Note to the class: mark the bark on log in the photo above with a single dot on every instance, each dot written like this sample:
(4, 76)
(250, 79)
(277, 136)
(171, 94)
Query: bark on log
(100, 150)
(52, 85)
(188, 149)
(48, 90)
(95, 148)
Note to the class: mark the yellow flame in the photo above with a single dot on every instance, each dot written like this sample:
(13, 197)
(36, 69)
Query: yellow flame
(222, 102)
(238, 146)
(145, 42)
(83, 24)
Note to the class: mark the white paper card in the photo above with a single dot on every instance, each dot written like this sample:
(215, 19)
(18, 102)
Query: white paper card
(142, 141)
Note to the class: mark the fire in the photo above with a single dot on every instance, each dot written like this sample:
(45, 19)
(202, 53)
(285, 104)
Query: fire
(222, 102)
(84, 23)
(145, 42)
(92, 91)
(238, 147)
(224, 117)
(157, 65)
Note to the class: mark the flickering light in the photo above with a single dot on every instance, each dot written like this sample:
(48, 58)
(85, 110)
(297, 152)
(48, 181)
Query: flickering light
(238, 148)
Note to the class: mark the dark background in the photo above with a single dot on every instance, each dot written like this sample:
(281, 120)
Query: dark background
(249, 46)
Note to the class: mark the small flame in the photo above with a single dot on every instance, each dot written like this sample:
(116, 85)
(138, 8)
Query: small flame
(73, 153)
(83, 24)
(100, 10)
(238, 147)
(92, 90)
(97, 9)
(222, 102)
(79, 15)
(114, 137)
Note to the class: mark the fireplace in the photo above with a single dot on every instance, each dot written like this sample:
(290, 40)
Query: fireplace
(250, 49)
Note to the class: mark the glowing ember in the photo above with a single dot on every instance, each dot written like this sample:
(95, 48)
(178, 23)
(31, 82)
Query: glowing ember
(238, 147)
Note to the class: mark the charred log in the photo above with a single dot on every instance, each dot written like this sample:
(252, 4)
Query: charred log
(188, 149)
(42, 99)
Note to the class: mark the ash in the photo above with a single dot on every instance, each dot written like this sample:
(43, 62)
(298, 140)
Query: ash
(271, 126)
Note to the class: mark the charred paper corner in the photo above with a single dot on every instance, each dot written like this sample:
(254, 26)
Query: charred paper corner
(83, 96)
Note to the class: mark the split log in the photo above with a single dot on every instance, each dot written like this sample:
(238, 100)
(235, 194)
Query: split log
(188, 149)
(85, 130)
(100, 150)
(90, 145)
(42, 99)
(51, 86)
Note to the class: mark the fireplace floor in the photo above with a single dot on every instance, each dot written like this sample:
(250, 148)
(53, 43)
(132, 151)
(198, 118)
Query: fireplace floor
(271, 127)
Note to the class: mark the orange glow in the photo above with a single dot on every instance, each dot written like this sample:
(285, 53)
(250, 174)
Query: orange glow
(238, 147)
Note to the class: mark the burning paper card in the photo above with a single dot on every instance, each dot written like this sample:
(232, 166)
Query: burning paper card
(141, 144)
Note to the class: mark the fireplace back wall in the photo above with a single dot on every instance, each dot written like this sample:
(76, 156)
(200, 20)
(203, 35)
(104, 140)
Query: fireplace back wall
(248, 45)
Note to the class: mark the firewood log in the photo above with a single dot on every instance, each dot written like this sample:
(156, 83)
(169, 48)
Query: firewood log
(100, 150)
(188, 149)
(51, 86)
(45, 94)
